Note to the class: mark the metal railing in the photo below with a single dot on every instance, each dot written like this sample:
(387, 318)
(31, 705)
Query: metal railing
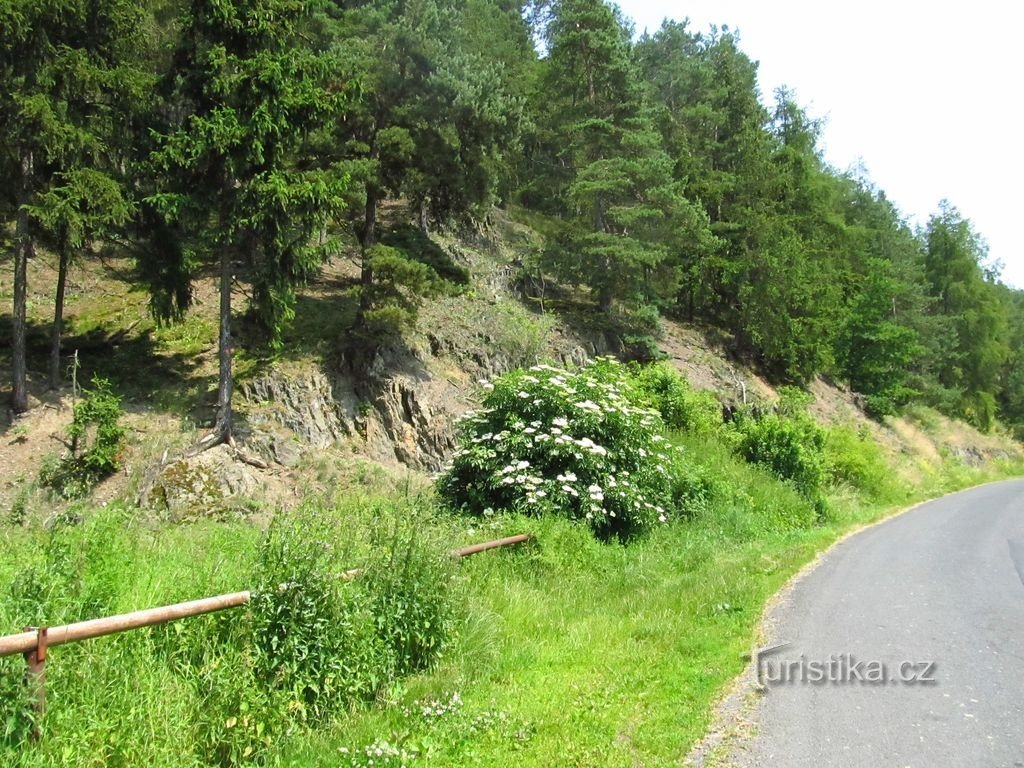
(34, 643)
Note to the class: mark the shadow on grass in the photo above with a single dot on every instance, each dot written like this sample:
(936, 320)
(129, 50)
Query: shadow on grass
(132, 361)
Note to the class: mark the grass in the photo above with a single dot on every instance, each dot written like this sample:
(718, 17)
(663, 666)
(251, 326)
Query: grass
(591, 654)
(567, 651)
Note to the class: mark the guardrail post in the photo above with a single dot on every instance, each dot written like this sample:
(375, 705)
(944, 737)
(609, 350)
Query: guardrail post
(35, 677)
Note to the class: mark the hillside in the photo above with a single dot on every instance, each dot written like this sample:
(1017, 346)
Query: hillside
(320, 425)
(572, 649)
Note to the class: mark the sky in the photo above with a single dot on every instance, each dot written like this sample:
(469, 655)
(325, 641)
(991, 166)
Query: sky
(925, 96)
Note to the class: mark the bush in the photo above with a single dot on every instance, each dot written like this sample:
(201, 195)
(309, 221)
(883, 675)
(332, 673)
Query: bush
(408, 586)
(570, 443)
(791, 447)
(96, 440)
(855, 459)
(681, 407)
(323, 640)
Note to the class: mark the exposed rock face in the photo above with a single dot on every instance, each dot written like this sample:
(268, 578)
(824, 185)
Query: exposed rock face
(413, 412)
(318, 410)
(401, 406)
(401, 412)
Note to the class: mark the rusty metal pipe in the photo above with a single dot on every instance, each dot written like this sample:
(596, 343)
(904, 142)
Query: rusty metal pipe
(28, 642)
(83, 630)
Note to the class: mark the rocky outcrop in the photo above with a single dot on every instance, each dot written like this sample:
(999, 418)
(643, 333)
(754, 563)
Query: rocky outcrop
(205, 485)
(319, 410)
(397, 409)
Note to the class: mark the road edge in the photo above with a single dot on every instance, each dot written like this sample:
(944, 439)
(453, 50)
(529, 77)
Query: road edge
(730, 721)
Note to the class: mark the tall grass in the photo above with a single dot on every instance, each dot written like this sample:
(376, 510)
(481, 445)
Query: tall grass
(567, 651)
(227, 688)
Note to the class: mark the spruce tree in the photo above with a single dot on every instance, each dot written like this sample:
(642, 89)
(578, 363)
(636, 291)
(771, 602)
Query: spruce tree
(235, 187)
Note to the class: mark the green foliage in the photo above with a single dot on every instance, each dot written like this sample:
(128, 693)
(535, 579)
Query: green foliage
(408, 581)
(312, 632)
(790, 446)
(231, 688)
(566, 443)
(601, 155)
(965, 294)
(873, 350)
(854, 459)
(681, 407)
(418, 247)
(232, 177)
(96, 440)
(321, 640)
(399, 287)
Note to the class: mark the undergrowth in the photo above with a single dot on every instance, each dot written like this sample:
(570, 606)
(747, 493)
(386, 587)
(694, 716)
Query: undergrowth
(574, 649)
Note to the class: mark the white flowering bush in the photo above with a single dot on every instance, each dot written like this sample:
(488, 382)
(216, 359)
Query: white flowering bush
(569, 443)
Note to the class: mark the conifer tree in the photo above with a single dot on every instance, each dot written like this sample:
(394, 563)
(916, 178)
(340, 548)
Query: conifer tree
(625, 209)
(235, 186)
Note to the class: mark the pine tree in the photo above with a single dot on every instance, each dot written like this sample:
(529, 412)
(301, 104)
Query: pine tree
(625, 209)
(430, 124)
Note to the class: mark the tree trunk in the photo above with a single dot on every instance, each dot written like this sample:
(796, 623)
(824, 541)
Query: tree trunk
(604, 298)
(422, 217)
(222, 429)
(369, 239)
(58, 317)
(22, 250)
(604, 293)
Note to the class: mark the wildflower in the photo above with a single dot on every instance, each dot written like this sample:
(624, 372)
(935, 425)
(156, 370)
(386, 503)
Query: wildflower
(522, 464)
(560, 422)
(662, 518)
(524, 395)
(529, 430)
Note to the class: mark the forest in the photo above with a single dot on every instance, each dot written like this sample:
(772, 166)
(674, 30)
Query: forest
(256, 138)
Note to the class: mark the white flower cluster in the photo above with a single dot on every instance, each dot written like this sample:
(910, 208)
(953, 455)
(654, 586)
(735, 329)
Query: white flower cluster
(435, 708)
(379, 754)
(569, 443)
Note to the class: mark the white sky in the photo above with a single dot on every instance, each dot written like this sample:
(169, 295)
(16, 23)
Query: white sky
(926, 95)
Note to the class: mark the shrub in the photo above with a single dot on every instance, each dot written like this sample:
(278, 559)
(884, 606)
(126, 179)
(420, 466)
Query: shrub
(313, 634)
(324, 640)
(856, 459)
(570, 443)
(408, 586)
(681, 407)
(96, 440)
(641, 334)
(791, 447)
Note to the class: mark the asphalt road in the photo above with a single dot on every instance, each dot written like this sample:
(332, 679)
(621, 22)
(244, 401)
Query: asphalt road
(942, 585)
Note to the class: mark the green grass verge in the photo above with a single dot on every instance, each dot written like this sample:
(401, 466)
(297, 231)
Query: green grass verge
(567, 652)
